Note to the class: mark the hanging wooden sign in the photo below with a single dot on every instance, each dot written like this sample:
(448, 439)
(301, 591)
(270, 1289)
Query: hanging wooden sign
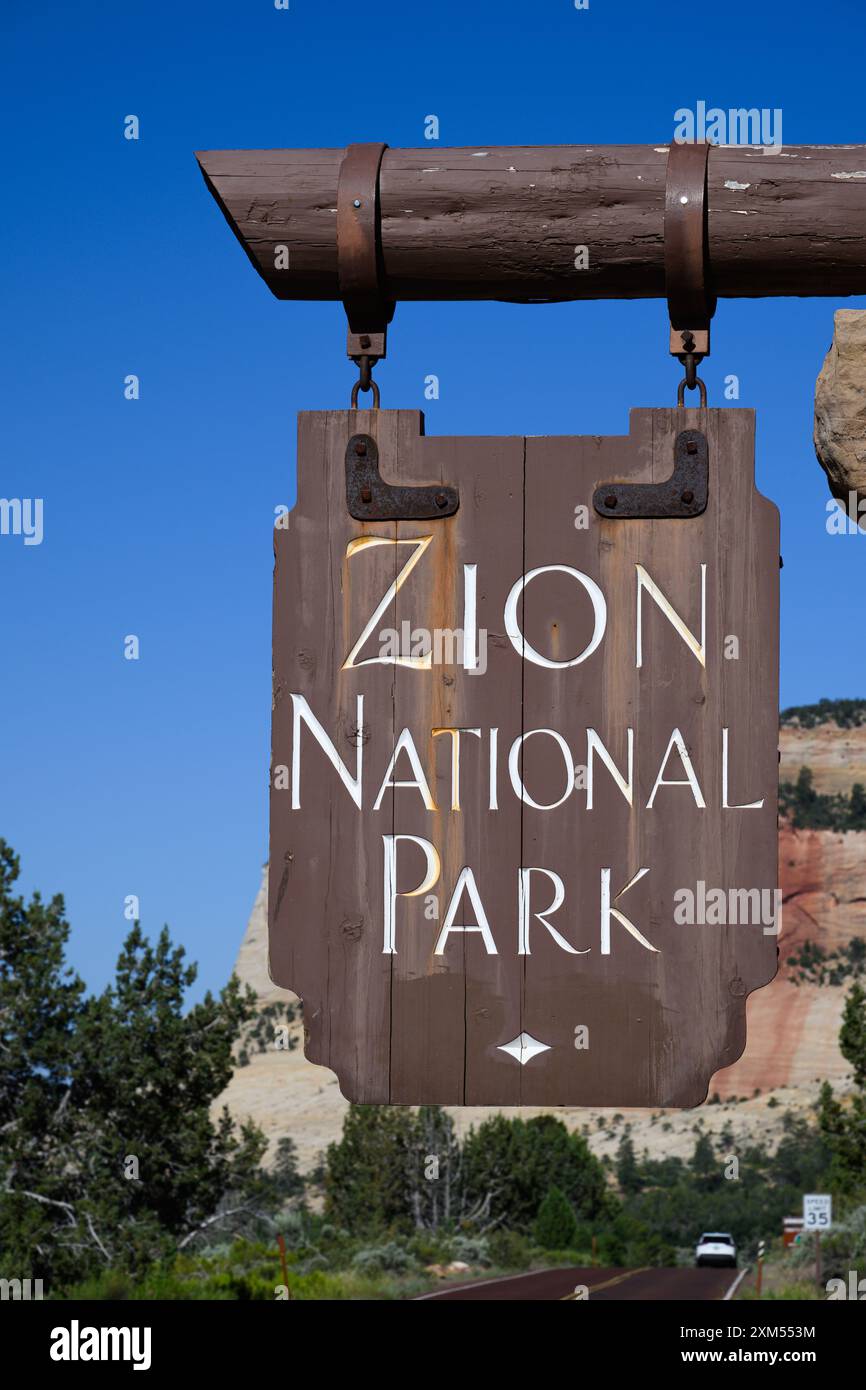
(524, 767)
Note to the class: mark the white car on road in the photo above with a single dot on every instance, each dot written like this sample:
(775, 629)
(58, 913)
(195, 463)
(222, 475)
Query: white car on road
(716, 1248)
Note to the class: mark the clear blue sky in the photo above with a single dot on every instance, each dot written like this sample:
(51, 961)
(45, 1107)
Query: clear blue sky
(150, 777)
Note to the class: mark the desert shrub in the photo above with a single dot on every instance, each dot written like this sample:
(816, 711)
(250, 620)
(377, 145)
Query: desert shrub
(474, 1250)
(391, 1257)
(509, 1250)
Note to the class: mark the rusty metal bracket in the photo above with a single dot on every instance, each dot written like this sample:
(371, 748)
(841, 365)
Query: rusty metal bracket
(370, 498)
(683, 494)
(360, 266)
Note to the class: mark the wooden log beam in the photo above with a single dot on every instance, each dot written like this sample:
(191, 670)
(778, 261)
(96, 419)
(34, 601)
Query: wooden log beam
(503, 222)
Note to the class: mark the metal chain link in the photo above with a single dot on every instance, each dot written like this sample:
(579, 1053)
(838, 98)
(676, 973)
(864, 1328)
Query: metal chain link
(696, 383)
(691, 381)
(365, 380)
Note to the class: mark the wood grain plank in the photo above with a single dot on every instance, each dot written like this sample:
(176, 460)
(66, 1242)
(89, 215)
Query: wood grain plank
(452, 1009)
(326, 875)
(658, 1021)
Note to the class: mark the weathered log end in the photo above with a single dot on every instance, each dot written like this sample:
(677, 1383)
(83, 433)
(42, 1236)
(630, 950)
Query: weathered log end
(247, 244)
(840, 411)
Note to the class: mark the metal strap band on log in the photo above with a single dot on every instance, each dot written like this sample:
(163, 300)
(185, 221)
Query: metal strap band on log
(691, 305)
(359, 252)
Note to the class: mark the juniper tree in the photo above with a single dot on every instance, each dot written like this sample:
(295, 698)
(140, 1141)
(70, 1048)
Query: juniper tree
(844, 1127)
(852, 1035)
(518, 1161)
(555, 1226)
(109, 1154)
(628, 1173)
(366, 1170)
(40, 1006)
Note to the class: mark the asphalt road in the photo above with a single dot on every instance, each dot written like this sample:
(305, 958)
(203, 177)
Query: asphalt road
(544, 1285)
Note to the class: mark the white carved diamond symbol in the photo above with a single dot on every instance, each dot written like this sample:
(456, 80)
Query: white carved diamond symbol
(523, 1047)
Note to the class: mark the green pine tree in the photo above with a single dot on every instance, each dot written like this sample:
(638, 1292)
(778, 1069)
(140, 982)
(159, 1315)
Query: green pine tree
(40, 1005)
(852, 1035)
(857, 807)
(555, 1225)
(628, 1173)
(805, 795)
(108, 1152)
(843, 1128)
(517, 1161)
(705, 1166)
(367, 1171)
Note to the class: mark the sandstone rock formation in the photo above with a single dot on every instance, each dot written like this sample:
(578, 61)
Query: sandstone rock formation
(792, 1029)
(840, 407)
(836, 756)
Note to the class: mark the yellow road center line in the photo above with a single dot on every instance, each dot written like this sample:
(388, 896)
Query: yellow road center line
(608, 1284)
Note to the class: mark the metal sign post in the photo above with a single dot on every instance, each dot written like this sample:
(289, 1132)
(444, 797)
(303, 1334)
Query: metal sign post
(817, 1217)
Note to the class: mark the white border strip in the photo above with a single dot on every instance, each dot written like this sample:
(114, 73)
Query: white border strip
(736, 1284)
(480, 1283)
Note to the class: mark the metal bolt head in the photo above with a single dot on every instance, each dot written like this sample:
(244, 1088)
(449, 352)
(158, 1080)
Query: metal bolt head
(366, 495)
(688, 497)
(365, 341)
(360, 447)
(610, 500)
(356, 202)
(691, 447)
(441, 499)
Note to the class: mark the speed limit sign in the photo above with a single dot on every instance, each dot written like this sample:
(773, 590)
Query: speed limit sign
(817, 1211)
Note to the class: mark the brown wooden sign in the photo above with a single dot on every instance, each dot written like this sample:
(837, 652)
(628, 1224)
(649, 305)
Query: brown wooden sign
(524, 766)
